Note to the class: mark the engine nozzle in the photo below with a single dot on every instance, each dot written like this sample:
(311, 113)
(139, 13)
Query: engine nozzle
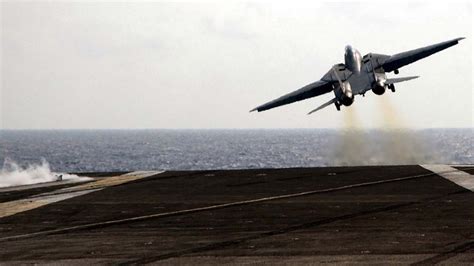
(379, 89)
(347, 97)
(379, 86)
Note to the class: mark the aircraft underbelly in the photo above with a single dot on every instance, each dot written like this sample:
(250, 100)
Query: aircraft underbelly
(361, 83)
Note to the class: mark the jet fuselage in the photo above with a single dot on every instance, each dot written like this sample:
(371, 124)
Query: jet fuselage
(357, 75)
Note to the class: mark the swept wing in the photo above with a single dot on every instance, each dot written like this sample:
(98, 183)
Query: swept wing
(402, 59)
(311, 90)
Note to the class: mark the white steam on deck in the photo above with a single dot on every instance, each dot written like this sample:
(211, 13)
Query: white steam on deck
(12, 174)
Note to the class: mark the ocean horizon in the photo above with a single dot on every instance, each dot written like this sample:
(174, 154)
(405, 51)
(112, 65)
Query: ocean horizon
(102, 150)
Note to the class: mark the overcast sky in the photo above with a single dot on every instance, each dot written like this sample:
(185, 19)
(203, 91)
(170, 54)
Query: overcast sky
(205, 65)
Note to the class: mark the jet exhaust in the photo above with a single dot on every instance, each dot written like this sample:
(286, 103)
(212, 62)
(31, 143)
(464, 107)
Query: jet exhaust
(349, 146)
(393, 144)
(399, 144)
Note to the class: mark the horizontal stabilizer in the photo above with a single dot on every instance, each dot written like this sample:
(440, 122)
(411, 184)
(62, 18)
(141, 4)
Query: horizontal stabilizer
(396, 80)
(322, 106)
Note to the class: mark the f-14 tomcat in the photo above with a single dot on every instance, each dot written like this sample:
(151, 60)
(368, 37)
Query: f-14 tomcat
(358, 75)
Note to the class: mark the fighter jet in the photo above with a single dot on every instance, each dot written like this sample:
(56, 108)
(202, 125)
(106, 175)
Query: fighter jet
(358, 75)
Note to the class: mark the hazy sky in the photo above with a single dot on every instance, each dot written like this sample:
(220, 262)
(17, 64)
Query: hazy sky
(205, 65)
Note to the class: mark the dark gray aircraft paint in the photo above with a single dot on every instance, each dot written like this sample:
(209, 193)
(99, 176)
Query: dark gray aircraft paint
(357, 76)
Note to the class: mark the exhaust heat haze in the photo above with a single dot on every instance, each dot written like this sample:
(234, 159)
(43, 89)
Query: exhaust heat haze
(394, 143)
